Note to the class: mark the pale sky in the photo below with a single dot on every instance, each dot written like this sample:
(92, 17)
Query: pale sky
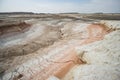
(60, 6)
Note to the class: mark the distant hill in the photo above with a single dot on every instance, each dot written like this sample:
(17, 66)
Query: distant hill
(16, 13)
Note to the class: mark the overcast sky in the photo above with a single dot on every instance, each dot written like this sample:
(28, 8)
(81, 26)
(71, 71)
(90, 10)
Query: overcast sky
(60, 6)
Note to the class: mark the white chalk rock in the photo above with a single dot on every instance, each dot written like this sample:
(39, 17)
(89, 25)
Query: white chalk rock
(96, 72)
(53, 78)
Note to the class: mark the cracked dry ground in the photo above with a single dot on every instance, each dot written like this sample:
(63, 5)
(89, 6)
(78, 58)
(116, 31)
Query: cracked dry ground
(56, 56)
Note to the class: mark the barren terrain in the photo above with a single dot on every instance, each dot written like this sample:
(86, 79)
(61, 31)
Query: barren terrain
(69, 46)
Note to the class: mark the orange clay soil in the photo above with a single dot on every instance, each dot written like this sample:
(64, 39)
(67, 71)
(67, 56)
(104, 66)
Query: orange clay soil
(58, 66)
(61, 64)
(96, 32)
